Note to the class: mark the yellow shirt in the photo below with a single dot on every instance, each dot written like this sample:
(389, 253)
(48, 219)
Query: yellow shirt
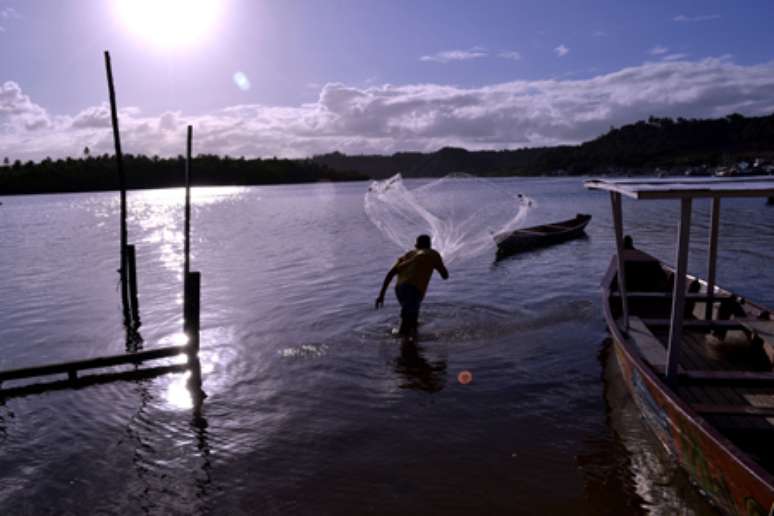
(416, 267)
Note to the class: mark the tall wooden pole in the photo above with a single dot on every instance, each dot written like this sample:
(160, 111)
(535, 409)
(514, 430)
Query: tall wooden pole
(678, 293)
(615, 201)
(122, 186)
(712, 256)
(187, 236)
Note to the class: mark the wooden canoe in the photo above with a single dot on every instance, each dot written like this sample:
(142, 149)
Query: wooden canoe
(525, 239)
(717, 420)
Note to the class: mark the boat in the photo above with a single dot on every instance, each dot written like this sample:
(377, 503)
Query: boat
(525, 239)
(696, 358)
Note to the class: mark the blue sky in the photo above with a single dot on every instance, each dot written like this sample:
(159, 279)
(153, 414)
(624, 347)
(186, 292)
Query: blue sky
(372, 76)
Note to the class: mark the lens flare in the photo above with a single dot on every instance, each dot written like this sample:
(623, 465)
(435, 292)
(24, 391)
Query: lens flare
(241, 80)
(465, 377)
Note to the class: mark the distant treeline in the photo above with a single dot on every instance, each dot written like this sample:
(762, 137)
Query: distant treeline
(635, 148)
(92, 173)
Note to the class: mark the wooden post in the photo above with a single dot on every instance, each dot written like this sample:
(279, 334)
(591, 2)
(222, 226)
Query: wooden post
(678, 294)
(615, 199)
(132, 272)
(712, 256)
(121, 184)
(191, 312)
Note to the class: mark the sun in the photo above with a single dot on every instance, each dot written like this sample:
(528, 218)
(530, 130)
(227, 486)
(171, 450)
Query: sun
(169, 24)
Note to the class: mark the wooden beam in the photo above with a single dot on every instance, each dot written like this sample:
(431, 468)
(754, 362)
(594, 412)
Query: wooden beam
(678, 296)
(90, 379)
(733, 410)
(718, 324)
(615, 200)
(122, 187)
(737, 378)
(696, 296)
(71, 368)
(712, 254)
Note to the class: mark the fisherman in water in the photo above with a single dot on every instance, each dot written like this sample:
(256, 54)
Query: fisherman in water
(414, 270)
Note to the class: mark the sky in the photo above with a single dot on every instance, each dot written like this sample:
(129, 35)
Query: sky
(292, 78)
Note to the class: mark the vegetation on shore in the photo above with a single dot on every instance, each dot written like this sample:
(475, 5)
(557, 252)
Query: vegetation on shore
(94, 173)
(637, 148)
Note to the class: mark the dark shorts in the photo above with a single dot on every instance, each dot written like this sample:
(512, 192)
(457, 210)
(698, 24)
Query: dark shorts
(410, 298)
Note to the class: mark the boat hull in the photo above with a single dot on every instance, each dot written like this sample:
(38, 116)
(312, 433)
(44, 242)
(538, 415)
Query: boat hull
(542, 236)
(735, 483)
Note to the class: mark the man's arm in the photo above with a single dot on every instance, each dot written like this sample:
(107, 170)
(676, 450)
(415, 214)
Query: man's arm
(387, 279)
(441, 268)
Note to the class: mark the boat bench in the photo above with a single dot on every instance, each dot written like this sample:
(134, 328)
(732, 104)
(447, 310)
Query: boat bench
(649, 346)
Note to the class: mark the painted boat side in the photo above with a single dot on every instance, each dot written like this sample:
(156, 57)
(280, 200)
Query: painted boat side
(733, 481)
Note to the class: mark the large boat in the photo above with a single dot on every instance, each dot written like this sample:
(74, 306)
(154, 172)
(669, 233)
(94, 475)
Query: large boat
(696, 358)
(525, 239)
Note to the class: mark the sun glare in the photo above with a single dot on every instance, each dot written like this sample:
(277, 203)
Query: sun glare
(169, 24)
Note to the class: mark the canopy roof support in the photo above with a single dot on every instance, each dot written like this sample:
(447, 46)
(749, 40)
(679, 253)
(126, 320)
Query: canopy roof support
(712, 255)
(678, 294)
(615, 200)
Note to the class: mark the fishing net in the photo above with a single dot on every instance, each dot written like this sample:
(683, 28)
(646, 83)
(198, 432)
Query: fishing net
(461, 213)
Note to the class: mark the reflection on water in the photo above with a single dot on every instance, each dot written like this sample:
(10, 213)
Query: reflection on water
(418, 372)
(653, 475)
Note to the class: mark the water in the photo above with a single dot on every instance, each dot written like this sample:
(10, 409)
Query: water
(311, 408)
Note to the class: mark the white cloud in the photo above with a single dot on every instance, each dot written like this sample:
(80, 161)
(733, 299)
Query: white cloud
(18, 112)
(658, 50)
(454, 55)
(510, 54)
(561, 51)
(674, 57)
(698, 18)
(390, 118)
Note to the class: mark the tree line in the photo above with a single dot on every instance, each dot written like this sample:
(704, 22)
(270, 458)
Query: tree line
(637, 148)
(95, 173)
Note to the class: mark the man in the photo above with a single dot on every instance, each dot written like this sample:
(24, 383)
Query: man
(414, 270)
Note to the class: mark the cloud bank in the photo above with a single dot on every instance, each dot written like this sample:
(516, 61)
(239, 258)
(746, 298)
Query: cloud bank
(390, 118)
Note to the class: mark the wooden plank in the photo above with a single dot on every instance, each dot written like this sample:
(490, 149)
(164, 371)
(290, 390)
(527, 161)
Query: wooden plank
(734, 378)
(697, 296)
(738, 410)
(694, 359)
(678, 297)
(91, 379)
(717, 324)
(649, 346)
(92, 363)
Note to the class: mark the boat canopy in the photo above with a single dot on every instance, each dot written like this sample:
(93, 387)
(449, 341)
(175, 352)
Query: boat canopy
(672, 188)
(684, 190)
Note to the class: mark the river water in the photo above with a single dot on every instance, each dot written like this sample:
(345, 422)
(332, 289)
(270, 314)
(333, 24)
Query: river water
(311, 407)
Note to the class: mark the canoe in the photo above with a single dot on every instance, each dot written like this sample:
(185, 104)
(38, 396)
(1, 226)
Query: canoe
(525, 239)
(696, 358)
